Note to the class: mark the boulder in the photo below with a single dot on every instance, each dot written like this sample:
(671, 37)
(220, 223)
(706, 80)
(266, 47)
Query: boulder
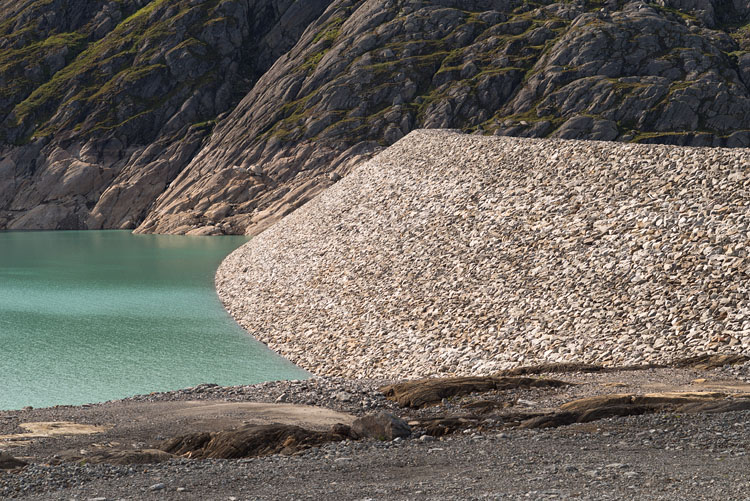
(8, 462)
(381, 426)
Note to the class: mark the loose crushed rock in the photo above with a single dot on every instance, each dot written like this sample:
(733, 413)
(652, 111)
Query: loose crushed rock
(363, 396)
(457, 254)
(738, 371)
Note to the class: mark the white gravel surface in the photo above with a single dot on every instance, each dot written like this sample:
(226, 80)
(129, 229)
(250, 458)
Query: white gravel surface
(459, 254)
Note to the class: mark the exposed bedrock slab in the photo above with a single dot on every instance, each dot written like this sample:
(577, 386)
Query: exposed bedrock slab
(251, 440)
(461, 254)
(425, 392)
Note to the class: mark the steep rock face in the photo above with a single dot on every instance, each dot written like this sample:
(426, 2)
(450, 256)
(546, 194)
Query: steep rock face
(222, 116)
(368, 72)
(111, 107)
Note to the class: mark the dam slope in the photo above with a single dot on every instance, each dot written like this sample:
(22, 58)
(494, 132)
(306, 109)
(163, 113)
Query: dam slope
(461, 254)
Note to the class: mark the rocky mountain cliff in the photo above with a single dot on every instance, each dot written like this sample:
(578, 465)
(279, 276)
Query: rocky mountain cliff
(220, 116)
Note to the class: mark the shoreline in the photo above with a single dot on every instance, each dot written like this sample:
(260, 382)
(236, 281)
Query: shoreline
(617, 449)
(91, 316)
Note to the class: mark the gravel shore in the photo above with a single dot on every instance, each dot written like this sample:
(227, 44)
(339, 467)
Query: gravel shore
(647, 457)
(661, 456)
(460, 254)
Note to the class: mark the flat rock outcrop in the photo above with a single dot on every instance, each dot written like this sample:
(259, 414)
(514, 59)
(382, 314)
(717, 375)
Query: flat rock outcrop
(606, 406)
(211, 117)
(251, 440)
(465, 254)
(431, 391)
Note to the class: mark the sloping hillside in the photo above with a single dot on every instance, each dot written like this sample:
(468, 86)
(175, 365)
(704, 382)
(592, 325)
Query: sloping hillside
(222, 116)
(103, 104)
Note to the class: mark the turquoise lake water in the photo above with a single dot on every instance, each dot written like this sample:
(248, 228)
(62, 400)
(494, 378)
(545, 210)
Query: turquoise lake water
(89, 316)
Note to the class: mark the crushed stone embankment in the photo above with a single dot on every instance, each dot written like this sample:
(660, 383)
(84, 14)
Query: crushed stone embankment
(462, 254)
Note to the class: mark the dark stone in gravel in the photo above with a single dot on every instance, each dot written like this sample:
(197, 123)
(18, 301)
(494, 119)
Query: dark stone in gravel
(8, 462)
(445, 426)
(551, 420)
(381, 426)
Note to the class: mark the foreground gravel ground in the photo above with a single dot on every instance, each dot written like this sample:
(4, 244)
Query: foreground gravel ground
(647, 457)
(669, 456)
(460, 254)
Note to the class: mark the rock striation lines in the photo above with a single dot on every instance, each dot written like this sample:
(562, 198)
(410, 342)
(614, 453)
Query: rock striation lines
(465, 254)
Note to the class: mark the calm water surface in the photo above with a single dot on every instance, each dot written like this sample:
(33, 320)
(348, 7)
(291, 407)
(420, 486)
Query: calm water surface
(88, 316)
